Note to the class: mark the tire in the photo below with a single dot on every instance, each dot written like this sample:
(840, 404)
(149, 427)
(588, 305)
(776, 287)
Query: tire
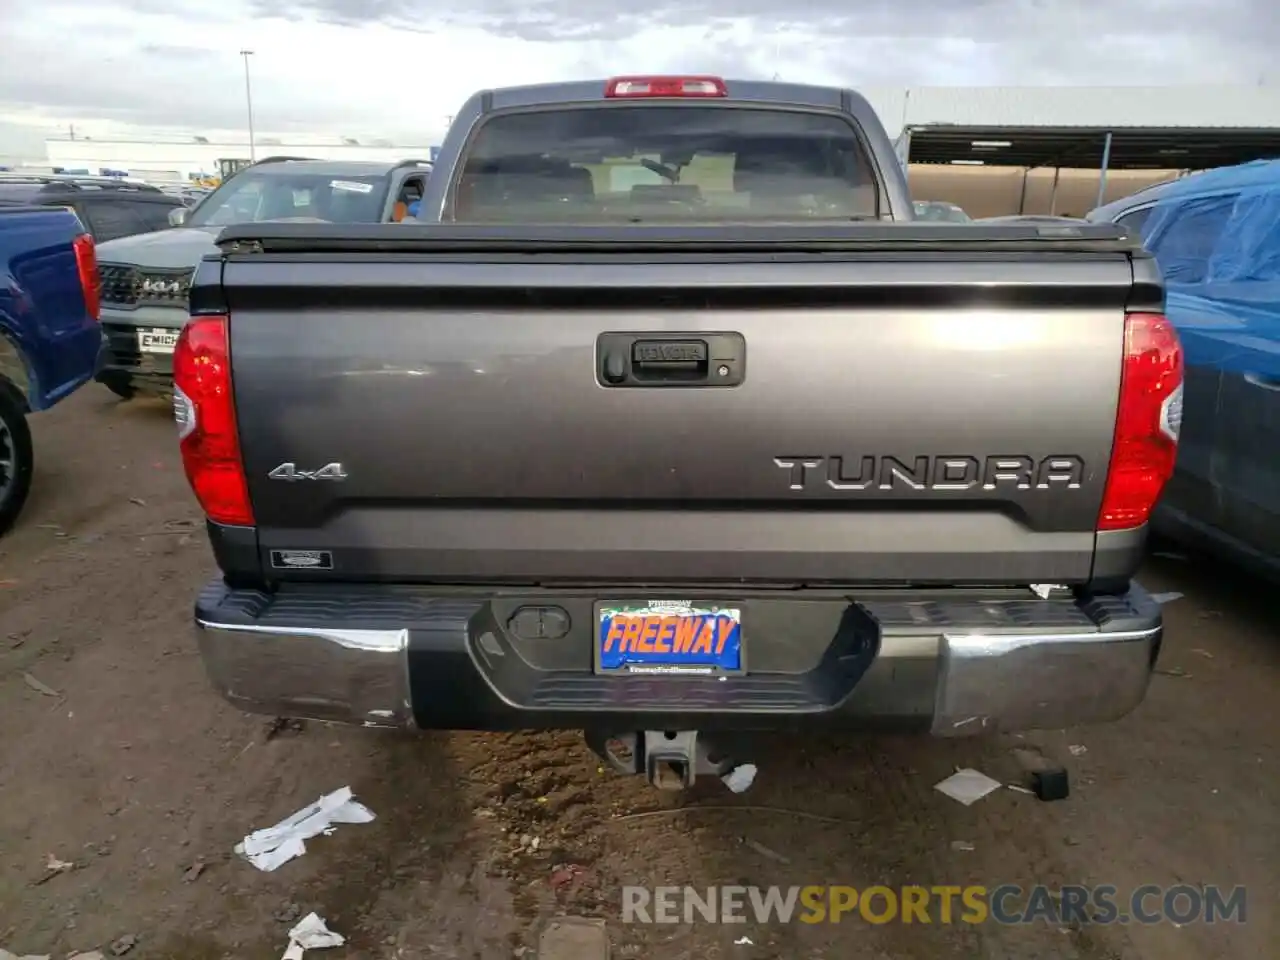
(17, 458)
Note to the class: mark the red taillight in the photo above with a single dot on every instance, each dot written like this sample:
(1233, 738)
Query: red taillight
(636, 87)
(1148, 420)
(204, 408)
(90, 279)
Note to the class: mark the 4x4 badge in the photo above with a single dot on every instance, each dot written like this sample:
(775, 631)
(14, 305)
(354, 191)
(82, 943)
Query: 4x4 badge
(290, 472)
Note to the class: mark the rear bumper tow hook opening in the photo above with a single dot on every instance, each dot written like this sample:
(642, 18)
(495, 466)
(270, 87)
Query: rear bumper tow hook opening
(668, 759)
(671, 758)
(670, 775)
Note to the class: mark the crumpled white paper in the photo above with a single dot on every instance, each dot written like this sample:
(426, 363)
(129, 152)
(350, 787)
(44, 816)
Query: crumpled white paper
(1045, 590)
(967, 786)
(310, 933)
(269, 848)
(740, 777)
(6, 955)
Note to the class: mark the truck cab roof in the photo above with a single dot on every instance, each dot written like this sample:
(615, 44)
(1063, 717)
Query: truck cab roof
(108, 206)
(727, 89)
(333, 168)
(47, 184)
(782, 137)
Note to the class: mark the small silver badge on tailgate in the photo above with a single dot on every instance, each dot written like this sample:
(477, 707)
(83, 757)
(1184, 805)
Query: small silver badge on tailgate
(290, 472)
(301, 560)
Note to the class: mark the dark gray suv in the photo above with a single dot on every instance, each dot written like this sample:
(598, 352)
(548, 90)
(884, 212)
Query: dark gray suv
(108, 208)
(146, 278)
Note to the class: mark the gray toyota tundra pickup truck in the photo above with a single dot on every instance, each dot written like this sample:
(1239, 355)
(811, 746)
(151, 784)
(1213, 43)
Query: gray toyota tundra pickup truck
(674, 426)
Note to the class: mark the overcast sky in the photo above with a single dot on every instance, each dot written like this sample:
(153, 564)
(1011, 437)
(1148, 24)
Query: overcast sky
(397, 68)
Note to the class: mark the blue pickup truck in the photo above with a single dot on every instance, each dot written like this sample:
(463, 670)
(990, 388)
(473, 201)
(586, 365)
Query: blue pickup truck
(50, 338)
(1216, 237)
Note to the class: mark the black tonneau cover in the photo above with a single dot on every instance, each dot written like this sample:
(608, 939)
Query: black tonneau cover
(877, 237)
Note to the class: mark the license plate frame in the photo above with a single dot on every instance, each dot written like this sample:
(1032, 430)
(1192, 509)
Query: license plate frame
(678, 622)
(157, 339)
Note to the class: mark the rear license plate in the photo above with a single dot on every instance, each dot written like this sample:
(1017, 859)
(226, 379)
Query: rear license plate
(157, 340)
(669, 636)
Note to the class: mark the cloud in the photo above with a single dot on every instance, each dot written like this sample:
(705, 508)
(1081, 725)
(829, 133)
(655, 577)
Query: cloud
(172, 51)
(990, 20)
(1018, 30)
(398, 68)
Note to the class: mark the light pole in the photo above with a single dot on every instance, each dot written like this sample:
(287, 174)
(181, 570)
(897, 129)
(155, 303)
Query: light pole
(248, 99)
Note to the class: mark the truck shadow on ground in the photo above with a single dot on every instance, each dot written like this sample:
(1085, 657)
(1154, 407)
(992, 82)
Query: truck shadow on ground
(863, 812)
(482, 838)
(834, 810)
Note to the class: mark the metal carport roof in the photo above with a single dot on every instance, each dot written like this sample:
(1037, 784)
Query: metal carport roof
(1134, 148)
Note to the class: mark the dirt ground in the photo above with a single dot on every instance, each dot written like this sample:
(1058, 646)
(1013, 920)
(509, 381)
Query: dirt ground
(116, 757)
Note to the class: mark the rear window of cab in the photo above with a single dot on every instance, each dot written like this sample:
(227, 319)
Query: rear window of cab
(636, 162)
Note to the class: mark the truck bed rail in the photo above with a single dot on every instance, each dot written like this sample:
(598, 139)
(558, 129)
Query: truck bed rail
(772, 238)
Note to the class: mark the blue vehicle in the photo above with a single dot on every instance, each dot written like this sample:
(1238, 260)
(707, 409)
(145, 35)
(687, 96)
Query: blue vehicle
(1216, 237)
(49, 333)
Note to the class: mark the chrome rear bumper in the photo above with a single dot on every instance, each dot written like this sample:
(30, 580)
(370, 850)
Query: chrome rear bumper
(450, 664)
(344, 675)
(1041, 681)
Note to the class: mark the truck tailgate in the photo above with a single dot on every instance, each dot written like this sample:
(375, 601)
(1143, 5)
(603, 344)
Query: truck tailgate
(904, 418)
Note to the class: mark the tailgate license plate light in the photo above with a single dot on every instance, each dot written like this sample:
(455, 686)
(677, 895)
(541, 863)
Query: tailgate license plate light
(669, 637)
(157, 340)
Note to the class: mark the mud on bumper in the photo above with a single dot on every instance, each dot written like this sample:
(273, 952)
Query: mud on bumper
(952, 663)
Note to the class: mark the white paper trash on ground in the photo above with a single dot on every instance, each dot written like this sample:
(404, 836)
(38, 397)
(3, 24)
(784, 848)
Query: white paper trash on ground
(310, 933)
(269, 848)
(740, 777)
(1045, 590)
(6, 955)
(967, 786)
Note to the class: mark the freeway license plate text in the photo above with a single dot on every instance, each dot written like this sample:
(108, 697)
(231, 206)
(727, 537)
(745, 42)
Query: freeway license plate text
(660, 637)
